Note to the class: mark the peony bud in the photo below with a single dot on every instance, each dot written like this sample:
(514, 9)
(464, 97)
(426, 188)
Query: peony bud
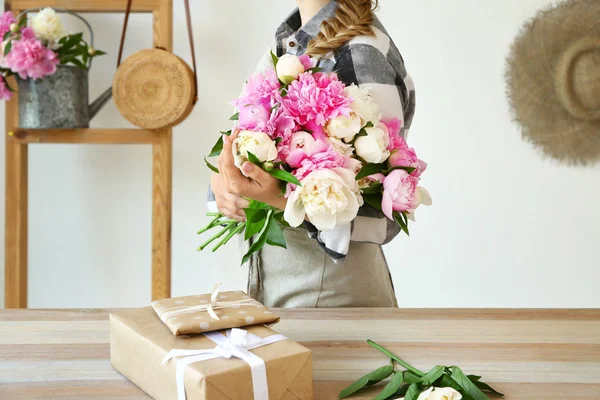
(92, 51)
(268, 166)
(14, 28)
(288, 68)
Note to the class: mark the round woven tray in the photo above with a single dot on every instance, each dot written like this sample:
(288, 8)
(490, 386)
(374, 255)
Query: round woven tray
(154, 89)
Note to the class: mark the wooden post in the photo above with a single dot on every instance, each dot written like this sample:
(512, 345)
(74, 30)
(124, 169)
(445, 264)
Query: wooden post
(15, 257)
(162, 176)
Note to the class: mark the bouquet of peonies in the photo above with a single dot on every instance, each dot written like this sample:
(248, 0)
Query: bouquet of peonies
(35, 51)
(329, 146)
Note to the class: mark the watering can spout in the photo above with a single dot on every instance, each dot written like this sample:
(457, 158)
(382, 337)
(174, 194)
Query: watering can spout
(100, 102)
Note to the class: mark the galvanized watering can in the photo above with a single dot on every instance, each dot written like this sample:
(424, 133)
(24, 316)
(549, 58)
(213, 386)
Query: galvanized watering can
(59, 100)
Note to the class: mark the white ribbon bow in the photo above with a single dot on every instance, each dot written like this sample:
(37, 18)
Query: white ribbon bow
(238, 344)
(214, 304)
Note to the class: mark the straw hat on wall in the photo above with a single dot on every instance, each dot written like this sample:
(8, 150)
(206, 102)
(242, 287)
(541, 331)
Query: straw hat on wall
(553, 76)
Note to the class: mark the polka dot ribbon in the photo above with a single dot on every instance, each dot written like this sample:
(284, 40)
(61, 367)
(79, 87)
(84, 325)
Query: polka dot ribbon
(238, 344)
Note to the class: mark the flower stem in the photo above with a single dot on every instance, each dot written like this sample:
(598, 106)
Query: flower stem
(212, 223)
(215, 237)
(396, 358)
(240, 227)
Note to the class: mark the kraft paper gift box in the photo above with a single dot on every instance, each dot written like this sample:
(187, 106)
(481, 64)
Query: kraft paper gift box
(140, 342)
(187, 315)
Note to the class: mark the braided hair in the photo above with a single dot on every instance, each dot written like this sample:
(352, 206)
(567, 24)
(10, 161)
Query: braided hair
(352, 18)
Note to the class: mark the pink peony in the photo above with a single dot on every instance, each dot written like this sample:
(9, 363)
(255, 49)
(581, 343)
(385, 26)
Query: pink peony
(254, 117)
(260, 88)
(6, 20)
(399, 193)
(5, 93)
(316, 97)
(306, 61)
(28, 33)
(320, 155)
(394, 127)
(30, 59)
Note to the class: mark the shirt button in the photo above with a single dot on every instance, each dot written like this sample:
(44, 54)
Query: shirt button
(292, 44)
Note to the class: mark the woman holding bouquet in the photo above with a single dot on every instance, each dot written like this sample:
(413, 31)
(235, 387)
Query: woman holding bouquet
(344, 266)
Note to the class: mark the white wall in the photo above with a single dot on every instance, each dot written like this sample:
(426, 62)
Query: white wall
(507, 229)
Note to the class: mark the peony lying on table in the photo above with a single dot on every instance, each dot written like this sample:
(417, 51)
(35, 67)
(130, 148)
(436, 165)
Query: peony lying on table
(33, 52)
(440, 383)
(329, 146)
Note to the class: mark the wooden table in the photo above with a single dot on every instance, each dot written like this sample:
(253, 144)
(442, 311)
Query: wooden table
(527, 354)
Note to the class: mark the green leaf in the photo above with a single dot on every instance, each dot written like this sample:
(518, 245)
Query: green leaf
(409, 377)
(212, 167)
(253, 159)
(486, 388)
(7, 35)
(226, 133)
(255, 221)
(278, 140)
(283, 92)
(413, 392)
(370, 169)
(447, 381)
(410, 170)
(285, 176)
(288, 78)
(314, 70)
(468, 386)
(474, 378)
(368, 125)
(375, 188)
(8, 47)
(78, 63)
(235, 117)
(99, 53)
(369, 379)
(217, 148)
(400, 219)
(23, 21)
(260, 241)
(392, 387)
(259, 205)
(374, 200)
(275, 235)
(433, 375)
(360, 133)
(275, 59)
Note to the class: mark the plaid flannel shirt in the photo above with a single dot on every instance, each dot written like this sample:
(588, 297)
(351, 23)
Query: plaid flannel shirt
(372, 62)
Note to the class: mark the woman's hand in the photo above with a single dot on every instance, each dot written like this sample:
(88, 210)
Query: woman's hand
(228, 203)
(257, 184)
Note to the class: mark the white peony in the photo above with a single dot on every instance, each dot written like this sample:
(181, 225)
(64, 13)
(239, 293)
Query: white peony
(354, 165)
(373, 147)
(47, 26)
(257, 143)
(363, 104)
(344, 149)
(288, 68)
(303, 140)
(327, 197)
(439, 394)
(344, 128)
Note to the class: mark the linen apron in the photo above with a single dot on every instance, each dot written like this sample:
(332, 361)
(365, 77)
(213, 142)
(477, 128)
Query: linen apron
(304, 276)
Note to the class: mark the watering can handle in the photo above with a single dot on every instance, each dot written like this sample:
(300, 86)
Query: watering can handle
(62, 10)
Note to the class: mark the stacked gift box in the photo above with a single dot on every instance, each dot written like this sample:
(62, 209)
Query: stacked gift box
(216, 346)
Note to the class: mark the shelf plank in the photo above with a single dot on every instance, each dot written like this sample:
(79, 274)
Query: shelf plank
(87, 136)
(90, 6)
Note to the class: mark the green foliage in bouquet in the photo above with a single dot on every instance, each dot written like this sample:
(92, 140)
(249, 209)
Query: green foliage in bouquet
(411, 382)
(72, 49)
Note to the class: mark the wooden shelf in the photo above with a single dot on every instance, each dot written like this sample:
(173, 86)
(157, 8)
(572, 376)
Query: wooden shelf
(86, 6)
(17, 141)
(87, 136)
